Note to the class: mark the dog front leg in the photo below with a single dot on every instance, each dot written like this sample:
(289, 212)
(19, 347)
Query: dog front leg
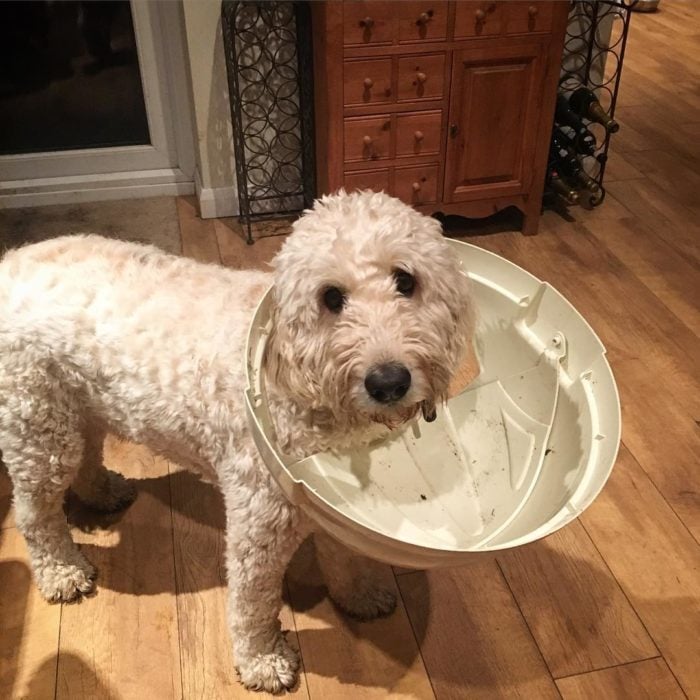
(353, 581)
(263, 532)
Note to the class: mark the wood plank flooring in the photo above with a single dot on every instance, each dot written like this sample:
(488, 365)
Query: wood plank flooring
(607, 608)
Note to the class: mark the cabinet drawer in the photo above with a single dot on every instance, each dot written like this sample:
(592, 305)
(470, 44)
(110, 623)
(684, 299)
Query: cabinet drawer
(421, 77)
(367, 138)
(368, 23)
(367, 82)
(528, 17)
(418, 133)
(479, 19)
(377, 180)
(417, 184)
(422, 20)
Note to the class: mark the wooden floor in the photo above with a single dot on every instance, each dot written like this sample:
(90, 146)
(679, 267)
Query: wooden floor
(609, 607)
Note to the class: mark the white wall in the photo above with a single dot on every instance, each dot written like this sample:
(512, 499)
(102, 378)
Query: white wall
(215, 176)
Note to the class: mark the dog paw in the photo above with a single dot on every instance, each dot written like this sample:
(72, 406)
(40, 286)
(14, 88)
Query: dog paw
(66, 582)
(114, 493)
(272, 672)
(367, 603)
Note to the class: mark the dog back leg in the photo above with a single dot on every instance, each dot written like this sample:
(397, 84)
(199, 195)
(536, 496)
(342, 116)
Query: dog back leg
(41, 438)
(356, 584)
(94, 484)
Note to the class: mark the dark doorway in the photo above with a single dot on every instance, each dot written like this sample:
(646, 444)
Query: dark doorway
(69, 77)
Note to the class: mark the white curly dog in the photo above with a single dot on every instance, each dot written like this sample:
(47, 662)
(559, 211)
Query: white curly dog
(371, 317)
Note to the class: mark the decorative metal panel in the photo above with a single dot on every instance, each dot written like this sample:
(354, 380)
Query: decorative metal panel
(270, 74)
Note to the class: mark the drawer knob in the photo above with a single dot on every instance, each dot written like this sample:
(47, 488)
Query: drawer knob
(368, 82)
(454, 130)
(367, 23)
(480, 15)
(416, 186)
(367, 140)
(532, 11)
(421, 77)
(424, 18)
(418, 135)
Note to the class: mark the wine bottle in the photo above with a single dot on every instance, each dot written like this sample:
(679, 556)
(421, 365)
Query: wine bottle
(565, 161)
(582, 146)
(584, 140)
(562, 187)
(584, 102)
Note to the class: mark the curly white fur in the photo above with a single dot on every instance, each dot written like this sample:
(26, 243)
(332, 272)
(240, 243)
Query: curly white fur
(100, 335)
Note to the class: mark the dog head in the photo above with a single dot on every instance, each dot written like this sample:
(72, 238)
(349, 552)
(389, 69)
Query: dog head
(372, 312)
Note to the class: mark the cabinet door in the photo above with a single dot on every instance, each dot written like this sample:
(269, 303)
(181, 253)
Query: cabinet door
(494, 118)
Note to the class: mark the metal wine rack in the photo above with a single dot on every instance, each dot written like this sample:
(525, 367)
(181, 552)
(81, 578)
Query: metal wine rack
(270, 78)
(594, 50)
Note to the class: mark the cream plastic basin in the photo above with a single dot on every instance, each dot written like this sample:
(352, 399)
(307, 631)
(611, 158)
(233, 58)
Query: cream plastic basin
(521, 452)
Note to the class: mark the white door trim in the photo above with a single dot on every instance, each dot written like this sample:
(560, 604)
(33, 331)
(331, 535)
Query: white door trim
(216, 202)
(166, 166)
(72, 189)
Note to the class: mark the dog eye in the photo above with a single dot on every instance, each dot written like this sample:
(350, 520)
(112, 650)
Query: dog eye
(405, 282)
(333, 299)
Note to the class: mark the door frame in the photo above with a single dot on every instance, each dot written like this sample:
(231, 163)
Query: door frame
(163, 167)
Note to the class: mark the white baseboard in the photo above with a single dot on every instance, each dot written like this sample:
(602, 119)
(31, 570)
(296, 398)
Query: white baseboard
(76, 189)
(216, 202)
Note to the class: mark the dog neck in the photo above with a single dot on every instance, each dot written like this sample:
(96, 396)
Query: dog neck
(301, 431)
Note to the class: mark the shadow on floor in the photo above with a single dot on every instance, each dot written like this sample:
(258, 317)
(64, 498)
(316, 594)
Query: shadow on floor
(201, 505)
(507, 220)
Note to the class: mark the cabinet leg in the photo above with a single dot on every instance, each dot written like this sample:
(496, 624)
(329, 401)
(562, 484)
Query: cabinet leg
(531, 223)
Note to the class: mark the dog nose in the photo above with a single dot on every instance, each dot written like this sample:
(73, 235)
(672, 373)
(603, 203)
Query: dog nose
(388, 383)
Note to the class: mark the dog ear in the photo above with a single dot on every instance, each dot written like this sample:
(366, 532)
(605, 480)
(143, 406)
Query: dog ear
(285, 365)
(465, 311)
(456, 295)
(464, 315)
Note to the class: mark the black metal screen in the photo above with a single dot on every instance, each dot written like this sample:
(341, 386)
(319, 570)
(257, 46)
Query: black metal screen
(594, 50)
(270, 76)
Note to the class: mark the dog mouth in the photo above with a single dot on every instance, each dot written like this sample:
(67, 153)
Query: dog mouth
(428, 410)
(398, 415)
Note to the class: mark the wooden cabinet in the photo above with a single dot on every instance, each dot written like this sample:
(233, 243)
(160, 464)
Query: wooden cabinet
(446, 105)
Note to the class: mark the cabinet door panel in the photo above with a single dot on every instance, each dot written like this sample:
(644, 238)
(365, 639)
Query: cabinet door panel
(494, 117)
